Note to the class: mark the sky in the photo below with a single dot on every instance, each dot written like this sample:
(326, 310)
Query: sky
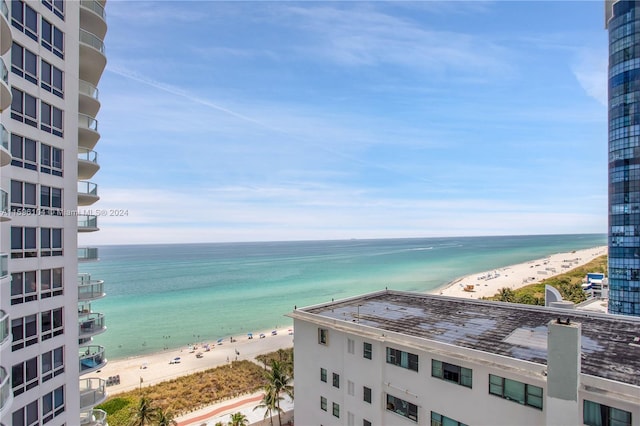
(264, 121)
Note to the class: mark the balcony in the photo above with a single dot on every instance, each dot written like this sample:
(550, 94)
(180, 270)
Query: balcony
(88, 223)
(6, 396)
(93, 417)
(92, 57)
(5, 29)
(87, 163)
(4, 328)
(87, 193)
(90, 324)
(5, 155)
(5, 92)
(86, 254)
(93, 391)
(92, 358)
(4, 265)
(87, 131)
(93, 18)
(4, 206)
(89, 289)
(88, 102)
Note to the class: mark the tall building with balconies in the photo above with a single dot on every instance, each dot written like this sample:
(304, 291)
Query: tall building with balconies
(623, 24)
(51, 60)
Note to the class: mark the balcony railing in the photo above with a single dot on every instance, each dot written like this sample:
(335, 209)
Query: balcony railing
(87, 222)
(4, 327)
(88, 188)
(93, 417)
(4, 9)
(94, 6)
(4, 137)
(5, 388)
(87, 253)
(89, 289)
(88, 89)
(92, 40)
(4, 72)
(87, 155)
(90, 324)
(4, 265)
(91, 358)
(4, 203)
(92, 392)
(87, 122)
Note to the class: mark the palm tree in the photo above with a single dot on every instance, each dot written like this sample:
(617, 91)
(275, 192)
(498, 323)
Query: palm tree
(165, 418)
(270, 402)
(238, 419)
(144, 413)
(278, 382)
(505, 294)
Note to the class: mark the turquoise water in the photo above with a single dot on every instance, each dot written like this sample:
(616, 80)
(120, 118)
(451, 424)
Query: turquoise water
(167, 296)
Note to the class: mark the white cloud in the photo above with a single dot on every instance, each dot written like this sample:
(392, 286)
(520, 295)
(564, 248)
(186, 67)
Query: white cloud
(590, 69)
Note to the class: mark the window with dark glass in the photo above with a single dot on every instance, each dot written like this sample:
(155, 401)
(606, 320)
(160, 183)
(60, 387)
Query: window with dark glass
(50, 282)
(23, 152)
(323, 375)
(56, 6)
(52, 363)
(367, 350)
(24, 107)
(51, 324)
(366, 394)
(51, 78)
(323, 403)
(24, 63)
(23, 287)
(23, 242)
(52, 38)
(336, 380)
(595, 414)
(50, 160)
(50, 119)
(402, 359)
(24, 376)
(24, 331)
(26, 416)
(451, 373)
(23, 197)
(52, 404)
(323, 336)
(51, 241)
(24, 18)
(440, 420)
(516, 391)
(366, 422)
(336, 410)
(402, 407)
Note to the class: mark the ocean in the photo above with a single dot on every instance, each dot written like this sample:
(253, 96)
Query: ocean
(167, 296)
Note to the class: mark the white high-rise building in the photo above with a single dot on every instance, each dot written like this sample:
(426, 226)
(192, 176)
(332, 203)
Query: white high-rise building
(399, 358)
(51, 60)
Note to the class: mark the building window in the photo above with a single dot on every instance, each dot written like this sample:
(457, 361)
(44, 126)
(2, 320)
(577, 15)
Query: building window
(323, 336)
(23, 242)
(50, 241)
(50, 160)
(25, 19)
(23, 197)
(23, 287)
(451, 373)
(367, 350)
(595, 414)
(51, 324)
(50, 119)
(402, 407)
(402, 359)
(366, 394)
(323, 375)
(51, 79)
(440, 420)
(51, 282)
(23, 151)
(26, 416)
(513, 390)
(52, 404)
(50, 200)
(56, 6)
(24, 107)
(323, 403)
(52, 38)
(52, 363)
(24, 331)
(366, 422)
(351, 344)
(336, 410)
(336, 380)
(24, 376)
(351, 388)
(24, 63)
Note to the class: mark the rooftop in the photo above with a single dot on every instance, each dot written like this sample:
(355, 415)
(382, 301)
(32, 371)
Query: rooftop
(610, 343)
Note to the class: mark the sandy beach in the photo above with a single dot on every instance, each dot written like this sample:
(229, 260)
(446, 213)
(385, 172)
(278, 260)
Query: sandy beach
(161, 366)
(488, 283)
(154, 368)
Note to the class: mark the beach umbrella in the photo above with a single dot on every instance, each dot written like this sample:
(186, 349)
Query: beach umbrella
(219, 341)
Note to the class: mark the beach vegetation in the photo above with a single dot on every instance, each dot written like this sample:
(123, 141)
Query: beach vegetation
(505, 294)
(269, 403)
(569, 284)
(278, 383)
(143, 413)
(238, 419)
(165, 417)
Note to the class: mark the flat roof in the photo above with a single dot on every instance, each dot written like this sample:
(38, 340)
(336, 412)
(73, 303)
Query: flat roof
(610, 343)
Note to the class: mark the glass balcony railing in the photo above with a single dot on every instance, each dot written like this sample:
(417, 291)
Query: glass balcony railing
(93, 417)
(87, 122)
(4, 72)
(87, 155)
(5, 387)
(91, 358)
(94, 6)
(4, 265)
(87, 188)
(92, 392)
(87, 222)
(4, 203)
(92, 40)
(89, 289)
(88, 89)
(4, 137)
(4, 327)
(87, 253)
(90, 324)
(4, 9)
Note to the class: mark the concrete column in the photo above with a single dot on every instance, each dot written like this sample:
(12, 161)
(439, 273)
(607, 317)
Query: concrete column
(563, 372)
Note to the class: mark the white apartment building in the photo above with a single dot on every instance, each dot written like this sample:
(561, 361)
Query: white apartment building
(51, 60)
(399, 358)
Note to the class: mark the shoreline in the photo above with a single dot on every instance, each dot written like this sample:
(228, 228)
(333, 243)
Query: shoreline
(488, 283)
(144, 370)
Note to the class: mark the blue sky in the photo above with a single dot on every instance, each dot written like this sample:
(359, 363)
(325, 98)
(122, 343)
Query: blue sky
(254, 121)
